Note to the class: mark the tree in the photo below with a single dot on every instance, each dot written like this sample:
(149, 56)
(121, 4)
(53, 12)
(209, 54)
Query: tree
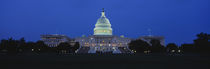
(21, 45)
(11, 46)
(29, 47)
(156, 46)
(40, 47)
(76, 46)
(202, 43)
(139, 46)
(3, 45)
(188, 48)
(64, 48)
(171, 47)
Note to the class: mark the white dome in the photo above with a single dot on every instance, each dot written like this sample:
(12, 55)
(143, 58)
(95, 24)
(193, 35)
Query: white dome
(103, 22)
(103, 26)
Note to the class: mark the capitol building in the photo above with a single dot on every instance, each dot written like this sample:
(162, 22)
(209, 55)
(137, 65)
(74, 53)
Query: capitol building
(103, 40)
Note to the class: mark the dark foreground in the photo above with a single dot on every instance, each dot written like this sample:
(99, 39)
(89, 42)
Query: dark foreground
(105, 62)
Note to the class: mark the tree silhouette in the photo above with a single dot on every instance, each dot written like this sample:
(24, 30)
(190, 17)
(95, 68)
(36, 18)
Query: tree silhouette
(202, 43)
(64, 48)
(29, 46)
(171, 47)
(3, 45)
(156, 46)
(76, 46)
(22, 45)
(188, 48)
(11, 46)
(40, 47)
(139, 46)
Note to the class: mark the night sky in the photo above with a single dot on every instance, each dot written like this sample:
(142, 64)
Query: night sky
(177, 20)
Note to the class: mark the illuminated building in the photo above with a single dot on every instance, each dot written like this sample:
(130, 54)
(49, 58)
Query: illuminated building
(54, 40)
(103, 26)
(150, 37)
(102, 41)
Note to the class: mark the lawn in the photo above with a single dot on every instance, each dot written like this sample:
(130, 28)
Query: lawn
(105, 62)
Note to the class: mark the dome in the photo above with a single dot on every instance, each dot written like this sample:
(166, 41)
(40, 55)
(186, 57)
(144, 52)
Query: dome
(103, 22)
(103, 26)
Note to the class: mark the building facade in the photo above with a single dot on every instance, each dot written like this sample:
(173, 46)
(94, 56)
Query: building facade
(150, 37)
(53, 40)
(102, 41)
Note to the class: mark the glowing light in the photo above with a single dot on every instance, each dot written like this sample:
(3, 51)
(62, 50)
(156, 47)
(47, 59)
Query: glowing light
(145, 51)
(172, 50)
(179, 50)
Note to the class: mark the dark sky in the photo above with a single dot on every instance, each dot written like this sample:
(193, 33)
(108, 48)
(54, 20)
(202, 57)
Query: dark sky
(178, 20)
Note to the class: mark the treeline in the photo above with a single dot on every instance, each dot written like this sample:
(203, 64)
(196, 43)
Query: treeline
(13, 47)
(200, 45)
